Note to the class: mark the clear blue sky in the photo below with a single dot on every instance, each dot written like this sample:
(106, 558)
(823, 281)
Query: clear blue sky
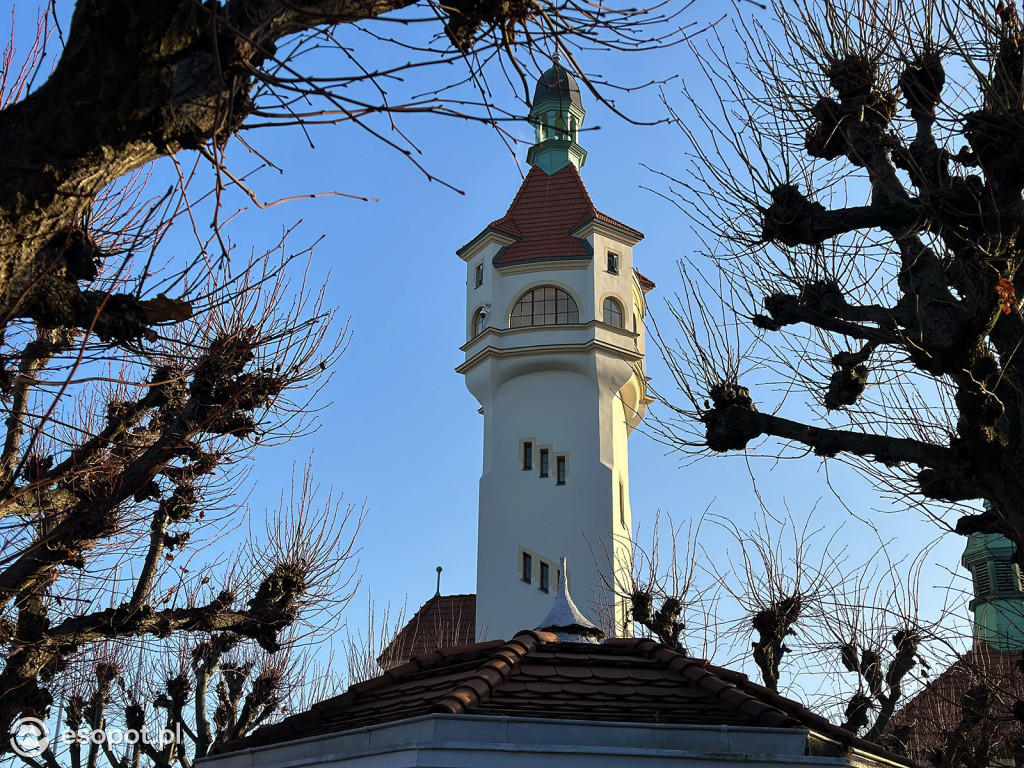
(401, 431)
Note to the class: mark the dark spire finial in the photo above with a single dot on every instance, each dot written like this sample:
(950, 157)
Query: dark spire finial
(438, 593)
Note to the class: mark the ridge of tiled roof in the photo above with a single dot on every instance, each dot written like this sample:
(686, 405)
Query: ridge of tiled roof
(493, 673)
(616, 223)
(762, 702)
(809, 718)
(544, 213)
(701, 673)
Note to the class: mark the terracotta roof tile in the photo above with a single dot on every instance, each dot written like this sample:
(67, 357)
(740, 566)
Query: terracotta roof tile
(535, 675)
(444, 621)
(922, 724)
(544, 213)
(646, 284)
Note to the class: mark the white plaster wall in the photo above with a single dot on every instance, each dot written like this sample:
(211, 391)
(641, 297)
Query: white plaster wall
(520, 509)
(561, 387)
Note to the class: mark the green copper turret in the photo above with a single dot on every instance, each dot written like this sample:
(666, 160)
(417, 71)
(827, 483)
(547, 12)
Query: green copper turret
(557, 115)
(998, 603)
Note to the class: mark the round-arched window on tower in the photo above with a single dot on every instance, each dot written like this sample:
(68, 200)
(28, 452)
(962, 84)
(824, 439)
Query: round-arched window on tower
(546, 305)
(479, 322)
(612, 312)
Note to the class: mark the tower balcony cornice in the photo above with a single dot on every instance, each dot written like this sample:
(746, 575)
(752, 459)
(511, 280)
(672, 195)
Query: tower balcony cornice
(494, 349)
(623, 335)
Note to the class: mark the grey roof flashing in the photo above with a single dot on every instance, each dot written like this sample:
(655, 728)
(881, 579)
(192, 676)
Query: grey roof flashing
(526, 742)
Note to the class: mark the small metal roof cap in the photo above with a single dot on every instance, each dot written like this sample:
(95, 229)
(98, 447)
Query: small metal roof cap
(566, 621)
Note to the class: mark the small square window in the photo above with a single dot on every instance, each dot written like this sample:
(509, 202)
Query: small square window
(560, 469)
(545, 570)
(613, 263)
(527, 455)
(479, 275)
(527, 567)
(544, 462)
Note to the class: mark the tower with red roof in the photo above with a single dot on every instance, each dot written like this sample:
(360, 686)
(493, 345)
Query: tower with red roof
(555, 356)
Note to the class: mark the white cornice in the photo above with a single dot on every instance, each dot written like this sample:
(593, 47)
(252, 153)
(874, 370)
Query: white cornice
(617, 233)
(481, 241)
(500, 332)
(585, 348)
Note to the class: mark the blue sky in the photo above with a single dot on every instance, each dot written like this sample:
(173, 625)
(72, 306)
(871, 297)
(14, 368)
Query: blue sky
(399, 430)
(402, 431)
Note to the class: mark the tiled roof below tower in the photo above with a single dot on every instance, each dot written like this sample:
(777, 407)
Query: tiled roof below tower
(536, 676)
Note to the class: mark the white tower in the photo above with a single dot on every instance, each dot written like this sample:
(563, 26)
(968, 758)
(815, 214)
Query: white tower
(555, 357)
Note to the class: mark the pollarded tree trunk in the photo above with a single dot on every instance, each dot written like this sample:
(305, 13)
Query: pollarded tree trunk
(124, 410)
(919, 289)
(134, 83)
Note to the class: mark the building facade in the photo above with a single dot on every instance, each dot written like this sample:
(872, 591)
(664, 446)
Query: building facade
(555, 357)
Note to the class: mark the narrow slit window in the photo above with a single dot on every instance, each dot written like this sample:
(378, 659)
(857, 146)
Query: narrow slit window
(527, 567)
(527, 455)
(544, 462)
(613, 263)
(622, 503)
(545, 570)
(479, 277)
(560, 469)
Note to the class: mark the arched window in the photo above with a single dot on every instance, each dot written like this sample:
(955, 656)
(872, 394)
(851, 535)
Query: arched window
(612, 312)
(479, 322)
(544, 306)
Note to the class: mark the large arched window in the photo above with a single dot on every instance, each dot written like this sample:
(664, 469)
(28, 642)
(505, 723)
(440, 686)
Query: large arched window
(612, 312)
(546, 305)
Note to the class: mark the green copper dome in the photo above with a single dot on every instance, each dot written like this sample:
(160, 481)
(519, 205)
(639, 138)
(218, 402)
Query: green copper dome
(557, 84)
(557, 115)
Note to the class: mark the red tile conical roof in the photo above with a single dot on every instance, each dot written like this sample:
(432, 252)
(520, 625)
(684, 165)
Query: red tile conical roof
(544, 213)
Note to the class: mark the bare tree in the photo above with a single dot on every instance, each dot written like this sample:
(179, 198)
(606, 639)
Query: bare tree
(135, 381)
(180, 669)
(171, 705)
(860, 187)
(661, 586)
(788, 600)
